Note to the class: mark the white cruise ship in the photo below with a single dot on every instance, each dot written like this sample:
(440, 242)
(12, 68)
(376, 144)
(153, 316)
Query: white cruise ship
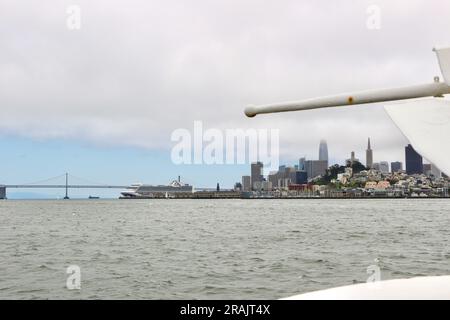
(145, 191)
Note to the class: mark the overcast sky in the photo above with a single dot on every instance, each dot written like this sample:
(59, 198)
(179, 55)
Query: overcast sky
(137, 70)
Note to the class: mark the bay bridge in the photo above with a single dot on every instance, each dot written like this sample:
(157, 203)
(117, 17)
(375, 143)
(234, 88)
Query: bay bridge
(45, 184)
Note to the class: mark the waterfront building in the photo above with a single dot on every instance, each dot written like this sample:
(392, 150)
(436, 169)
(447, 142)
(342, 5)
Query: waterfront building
(266, 186)
(246, 183)
(258, 186)
(413, 160)
(256, 173)
(369, 155)
(273, 179)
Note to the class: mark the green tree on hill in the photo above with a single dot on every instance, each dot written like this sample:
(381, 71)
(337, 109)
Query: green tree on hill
(357, 167)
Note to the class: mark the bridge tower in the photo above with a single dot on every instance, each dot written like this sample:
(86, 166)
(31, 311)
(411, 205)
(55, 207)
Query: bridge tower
(67, 187)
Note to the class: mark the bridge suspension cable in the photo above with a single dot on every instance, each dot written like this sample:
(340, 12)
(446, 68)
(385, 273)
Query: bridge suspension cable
(45, 180)
(87, 180)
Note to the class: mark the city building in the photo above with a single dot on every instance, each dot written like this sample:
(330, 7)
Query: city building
(262, 186)
(299, 177)
(246, 183)
(413, 160)
(369, 155)
(256, 173)
(383, 185)
(323, 151)
(266, 186)
(435, 171)
(301, 164)
(384, 166)
(286, 176)
(427, 168)
(349, 171)
(273, 178)
(396, 166)
(315, 168)
(371, 185)
(376, 166)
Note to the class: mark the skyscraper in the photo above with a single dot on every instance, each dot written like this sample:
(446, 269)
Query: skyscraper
(414, 161)
(246, 183)
(316, 168)
(323, 151)
(396, 166)
(256, 173)
(384, 166)
(301, 163)
(369, 155)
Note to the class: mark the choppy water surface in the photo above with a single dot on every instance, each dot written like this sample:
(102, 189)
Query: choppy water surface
(214, 249)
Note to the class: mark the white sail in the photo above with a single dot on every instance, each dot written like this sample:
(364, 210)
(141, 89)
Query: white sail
(426, 124)
(443, 55)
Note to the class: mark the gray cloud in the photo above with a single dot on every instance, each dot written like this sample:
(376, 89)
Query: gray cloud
(137, 70)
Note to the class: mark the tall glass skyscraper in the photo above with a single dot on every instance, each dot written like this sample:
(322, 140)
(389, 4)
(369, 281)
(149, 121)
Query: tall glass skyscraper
(323, 151)
(414, 163)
